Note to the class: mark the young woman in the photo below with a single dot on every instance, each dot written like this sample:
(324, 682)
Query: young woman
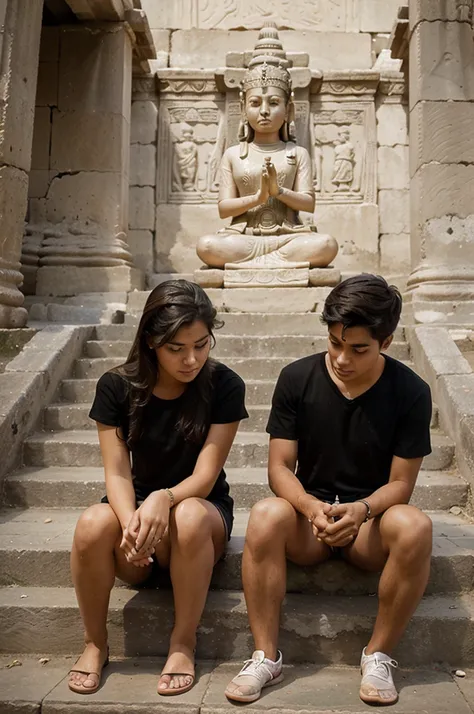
(166, 421)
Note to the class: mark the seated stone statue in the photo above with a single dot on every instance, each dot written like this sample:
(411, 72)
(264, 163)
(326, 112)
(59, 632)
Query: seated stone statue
(266, 179)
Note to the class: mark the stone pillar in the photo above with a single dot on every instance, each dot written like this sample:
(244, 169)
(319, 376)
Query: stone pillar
(84, 216)
(441, 69)
(20, 24)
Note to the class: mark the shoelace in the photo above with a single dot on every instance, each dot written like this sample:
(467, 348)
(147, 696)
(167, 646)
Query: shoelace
(256, 665)
(380, 668)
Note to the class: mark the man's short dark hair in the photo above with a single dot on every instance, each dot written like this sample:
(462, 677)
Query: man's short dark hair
(364, 301)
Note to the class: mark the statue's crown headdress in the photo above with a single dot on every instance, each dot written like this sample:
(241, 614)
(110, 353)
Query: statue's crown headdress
(269, 65)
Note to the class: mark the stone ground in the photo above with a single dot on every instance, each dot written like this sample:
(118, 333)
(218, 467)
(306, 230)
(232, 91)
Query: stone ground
(130, 686)
(11, 344)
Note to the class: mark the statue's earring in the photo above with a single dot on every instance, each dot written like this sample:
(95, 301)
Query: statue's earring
(291, 120)
(244, 129)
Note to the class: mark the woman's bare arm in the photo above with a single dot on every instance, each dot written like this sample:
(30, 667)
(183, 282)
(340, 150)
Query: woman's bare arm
(118, 473)
(209, 464)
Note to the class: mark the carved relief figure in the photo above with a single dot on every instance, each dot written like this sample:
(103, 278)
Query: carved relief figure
(186, 162)
(343, 171)
(266, 179)
(464, 8)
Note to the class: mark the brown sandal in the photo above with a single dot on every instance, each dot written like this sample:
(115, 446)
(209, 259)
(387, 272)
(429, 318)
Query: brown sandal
(80, 689)
(176, 690)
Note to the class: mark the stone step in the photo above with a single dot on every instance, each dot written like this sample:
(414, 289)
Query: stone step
(81, 448)
(244, 323)
(230, 346)
(77, 487)
(76, 416)
(34, 552)
(258, 391)
(258, 397)
(246, 367)
(129, 684)
(323, 629)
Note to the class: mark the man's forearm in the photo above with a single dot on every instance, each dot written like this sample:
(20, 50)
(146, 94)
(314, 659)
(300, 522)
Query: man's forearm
(391, 494)
(284, 484)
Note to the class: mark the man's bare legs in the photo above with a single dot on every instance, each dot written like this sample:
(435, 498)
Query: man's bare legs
(275, 532)
(399, 543)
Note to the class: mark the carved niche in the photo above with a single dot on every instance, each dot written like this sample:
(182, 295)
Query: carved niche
(191, 139)
(343, 140)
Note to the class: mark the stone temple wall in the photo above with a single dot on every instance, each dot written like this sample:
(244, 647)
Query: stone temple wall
(344, 86)
(186, 106)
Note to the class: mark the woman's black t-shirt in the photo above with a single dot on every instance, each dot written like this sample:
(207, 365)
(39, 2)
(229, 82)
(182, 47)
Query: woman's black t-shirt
(162, 457)
(346, 446)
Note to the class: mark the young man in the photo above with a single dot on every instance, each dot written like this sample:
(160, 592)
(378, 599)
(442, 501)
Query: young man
(355, 424)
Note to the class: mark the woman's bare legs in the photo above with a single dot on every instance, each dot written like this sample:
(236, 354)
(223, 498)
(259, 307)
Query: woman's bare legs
(96, 559)
(197, 541)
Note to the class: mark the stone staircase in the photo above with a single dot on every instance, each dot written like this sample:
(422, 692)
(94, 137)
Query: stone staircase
(329, 610)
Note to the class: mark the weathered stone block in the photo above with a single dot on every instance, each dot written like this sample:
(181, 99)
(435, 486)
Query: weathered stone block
(209, 277)
(324, 277)
(280, 300)
(377, 16)
(443, 10)
(88, 141)
(161, 39)
(86, 196)
(144, 126)
(142, 208)
(142, 165)
(104, 54)
(394, 211)
(442, 132)
(47, 89)
(392, 124)
(393, 167)
(356, 229)
(208, 49)
(38, 183)
(18, 87)
(176, 234)
(440, 190)
(13, 200)
(141, 247)
(71, 280)
(436, 354)
(441, 62)
(395, 253)
(41, 138)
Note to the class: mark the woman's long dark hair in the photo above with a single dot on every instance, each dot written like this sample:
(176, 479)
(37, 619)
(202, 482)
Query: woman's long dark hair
(170, 306)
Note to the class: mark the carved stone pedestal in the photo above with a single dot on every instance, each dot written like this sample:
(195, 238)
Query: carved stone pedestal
(264, 278)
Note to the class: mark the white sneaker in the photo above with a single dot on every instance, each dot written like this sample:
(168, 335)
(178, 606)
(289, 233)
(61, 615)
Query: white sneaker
(257, 673)
(377, 685)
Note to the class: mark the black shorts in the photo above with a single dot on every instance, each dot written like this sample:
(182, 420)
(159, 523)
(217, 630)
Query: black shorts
(223, 506)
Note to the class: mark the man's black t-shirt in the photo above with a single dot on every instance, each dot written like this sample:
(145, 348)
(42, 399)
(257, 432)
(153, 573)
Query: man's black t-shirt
(162, 457)
(346, 446)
